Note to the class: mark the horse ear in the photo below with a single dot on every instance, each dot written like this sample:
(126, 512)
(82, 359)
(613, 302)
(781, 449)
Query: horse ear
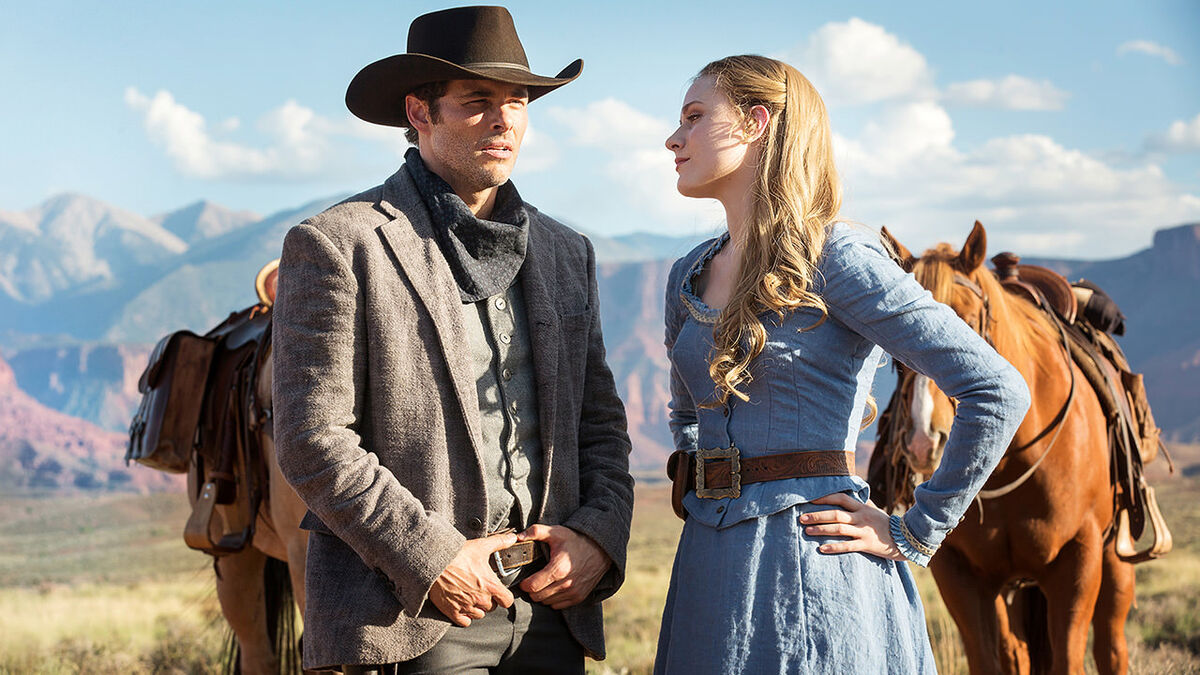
(903, 257)
(973, 252)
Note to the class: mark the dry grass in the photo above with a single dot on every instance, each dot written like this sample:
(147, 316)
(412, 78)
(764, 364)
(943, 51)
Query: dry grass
(105, 585)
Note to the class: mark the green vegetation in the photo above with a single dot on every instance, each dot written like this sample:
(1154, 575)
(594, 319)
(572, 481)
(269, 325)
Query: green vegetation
(104, 584)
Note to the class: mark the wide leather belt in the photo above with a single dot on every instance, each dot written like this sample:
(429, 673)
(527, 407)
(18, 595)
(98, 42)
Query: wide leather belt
(720, 473)
(507, 560)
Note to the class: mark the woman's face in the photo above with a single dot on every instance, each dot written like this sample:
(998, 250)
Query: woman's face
(711, 149)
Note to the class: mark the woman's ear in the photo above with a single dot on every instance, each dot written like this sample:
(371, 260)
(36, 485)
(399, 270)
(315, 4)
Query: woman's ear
(756, 123)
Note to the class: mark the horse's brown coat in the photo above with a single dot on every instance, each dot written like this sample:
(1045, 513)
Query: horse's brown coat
(1052, 529)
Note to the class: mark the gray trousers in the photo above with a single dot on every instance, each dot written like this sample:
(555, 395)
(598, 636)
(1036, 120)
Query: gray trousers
(527, 638)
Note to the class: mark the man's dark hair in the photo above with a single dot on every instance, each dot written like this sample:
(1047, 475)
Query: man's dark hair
(429, 93)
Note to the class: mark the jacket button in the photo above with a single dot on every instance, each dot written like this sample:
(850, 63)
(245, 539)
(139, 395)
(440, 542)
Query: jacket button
(476, 523)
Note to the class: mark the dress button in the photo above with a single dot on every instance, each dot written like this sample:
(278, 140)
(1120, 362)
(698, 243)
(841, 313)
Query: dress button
(476, 523)
(500, 303)
(505, 338)
(720, 509)
(507, 374)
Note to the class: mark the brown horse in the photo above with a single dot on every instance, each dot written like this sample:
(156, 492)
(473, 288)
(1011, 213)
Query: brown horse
(257, 584)
(1045, 515)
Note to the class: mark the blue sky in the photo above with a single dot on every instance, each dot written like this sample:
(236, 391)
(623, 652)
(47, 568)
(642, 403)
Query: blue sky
(1070, 129)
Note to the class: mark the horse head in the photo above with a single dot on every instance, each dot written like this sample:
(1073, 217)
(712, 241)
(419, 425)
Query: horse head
(958, 279)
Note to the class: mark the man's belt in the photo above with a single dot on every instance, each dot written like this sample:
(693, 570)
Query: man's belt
(720, 473)
(508, 560)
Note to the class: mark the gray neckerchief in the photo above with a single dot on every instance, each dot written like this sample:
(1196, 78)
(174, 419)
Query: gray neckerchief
(484, 255)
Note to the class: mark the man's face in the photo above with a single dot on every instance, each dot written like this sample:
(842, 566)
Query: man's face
(474, 144)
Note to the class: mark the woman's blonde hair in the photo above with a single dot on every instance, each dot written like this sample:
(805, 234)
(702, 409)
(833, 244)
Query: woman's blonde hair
(797, 194)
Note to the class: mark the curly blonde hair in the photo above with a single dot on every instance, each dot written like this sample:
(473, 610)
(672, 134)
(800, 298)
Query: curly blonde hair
(797, 194)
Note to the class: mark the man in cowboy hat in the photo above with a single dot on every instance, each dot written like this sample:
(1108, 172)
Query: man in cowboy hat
(442, 403)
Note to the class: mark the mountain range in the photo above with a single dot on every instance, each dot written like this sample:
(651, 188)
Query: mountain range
(86, 288)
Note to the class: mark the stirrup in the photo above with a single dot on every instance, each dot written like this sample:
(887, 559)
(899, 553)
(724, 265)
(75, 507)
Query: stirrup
(1162, 544)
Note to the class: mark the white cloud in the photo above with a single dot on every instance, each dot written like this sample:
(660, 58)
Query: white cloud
(611, 123)
(538, 152)
(300, 139)
(903, 170)
(1183, 136)
(1010, 93)
(629, 146)
(903, 135)
(1036, 196)
(1152, 49)
(860, 62)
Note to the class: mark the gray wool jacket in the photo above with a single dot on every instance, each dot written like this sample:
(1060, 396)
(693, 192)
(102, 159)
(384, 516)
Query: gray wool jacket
(377, 419)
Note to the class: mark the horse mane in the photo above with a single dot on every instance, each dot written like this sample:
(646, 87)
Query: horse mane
(1016, 322)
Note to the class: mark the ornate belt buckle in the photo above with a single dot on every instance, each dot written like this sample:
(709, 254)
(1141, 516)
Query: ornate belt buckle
(735, 473)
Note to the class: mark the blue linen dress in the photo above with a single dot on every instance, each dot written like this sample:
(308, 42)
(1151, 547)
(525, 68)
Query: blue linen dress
(749, 591)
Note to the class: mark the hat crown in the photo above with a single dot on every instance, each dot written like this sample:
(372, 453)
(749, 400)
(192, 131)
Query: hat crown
(468, 35)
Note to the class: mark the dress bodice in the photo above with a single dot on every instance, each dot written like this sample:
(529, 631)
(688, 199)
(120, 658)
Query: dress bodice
(810, 384)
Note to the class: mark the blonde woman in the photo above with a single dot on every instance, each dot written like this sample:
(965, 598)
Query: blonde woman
(774, 331)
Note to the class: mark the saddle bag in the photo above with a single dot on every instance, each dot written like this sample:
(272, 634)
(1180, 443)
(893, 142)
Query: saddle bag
(163, 431)
(228, 473)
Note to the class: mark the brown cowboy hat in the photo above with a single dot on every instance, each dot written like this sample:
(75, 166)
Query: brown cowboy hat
(464, 43)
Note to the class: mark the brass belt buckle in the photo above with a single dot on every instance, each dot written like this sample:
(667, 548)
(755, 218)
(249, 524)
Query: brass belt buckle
(735, 473)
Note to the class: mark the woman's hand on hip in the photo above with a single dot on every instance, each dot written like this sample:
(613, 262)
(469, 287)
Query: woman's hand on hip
(866, 527)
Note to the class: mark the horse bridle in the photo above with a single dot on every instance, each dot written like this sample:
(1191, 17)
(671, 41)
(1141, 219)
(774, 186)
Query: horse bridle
(985, 319)
(985, 314)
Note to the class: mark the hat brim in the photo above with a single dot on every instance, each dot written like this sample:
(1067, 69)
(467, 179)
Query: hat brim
(376, 94)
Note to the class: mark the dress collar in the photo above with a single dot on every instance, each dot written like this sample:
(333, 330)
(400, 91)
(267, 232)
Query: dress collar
(700, 311)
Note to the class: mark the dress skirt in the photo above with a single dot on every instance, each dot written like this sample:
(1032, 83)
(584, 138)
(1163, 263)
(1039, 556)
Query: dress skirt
(757, 597)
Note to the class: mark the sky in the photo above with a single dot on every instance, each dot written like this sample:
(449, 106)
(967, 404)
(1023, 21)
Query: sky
(1069, 129)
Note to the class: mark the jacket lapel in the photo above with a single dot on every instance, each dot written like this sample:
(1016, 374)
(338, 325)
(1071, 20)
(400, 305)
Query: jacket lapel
(537, 276)
(411, 238)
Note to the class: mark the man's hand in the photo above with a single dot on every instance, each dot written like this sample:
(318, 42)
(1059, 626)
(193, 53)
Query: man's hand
(575, 567)
(468, 587)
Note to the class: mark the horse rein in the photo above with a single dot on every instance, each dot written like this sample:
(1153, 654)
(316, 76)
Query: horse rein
(985, 319)
(1055, 424)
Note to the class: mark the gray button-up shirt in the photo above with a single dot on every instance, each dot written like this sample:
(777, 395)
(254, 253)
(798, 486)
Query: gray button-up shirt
(502, 361)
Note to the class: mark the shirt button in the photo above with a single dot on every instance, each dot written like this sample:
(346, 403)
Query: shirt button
(507, 374)
(505, 338)
(500, 303)
(476, 523)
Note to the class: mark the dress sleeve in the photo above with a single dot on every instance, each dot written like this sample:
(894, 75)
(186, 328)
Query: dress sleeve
(869, 293)
(682, 416)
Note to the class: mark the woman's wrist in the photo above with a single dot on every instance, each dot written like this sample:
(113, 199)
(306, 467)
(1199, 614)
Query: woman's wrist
(912, 548)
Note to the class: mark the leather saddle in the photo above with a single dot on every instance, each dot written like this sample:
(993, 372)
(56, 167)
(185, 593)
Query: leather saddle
(1134, 438)
(228, 475)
